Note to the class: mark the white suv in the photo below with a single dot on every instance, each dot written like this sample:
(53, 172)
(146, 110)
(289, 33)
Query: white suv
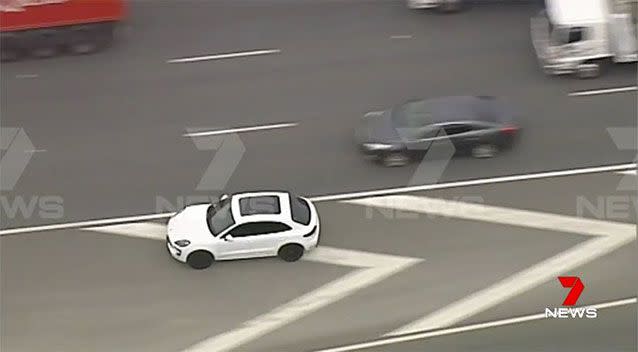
(245, 225)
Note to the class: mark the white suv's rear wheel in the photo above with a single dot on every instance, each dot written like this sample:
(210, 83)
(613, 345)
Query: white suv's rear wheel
(291, 252)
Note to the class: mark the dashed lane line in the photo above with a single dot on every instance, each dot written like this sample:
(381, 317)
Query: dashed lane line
(223, 56)
(603, 91)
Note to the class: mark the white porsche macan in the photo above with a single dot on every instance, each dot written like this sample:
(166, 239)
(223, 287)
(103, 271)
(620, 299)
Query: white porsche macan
(244, 225)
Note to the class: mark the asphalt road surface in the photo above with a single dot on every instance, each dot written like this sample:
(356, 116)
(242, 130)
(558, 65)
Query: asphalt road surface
(121, 292)
(108, 128)
(107, 134)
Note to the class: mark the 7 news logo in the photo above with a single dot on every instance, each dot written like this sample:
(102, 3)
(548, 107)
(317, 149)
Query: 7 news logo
(576, 287)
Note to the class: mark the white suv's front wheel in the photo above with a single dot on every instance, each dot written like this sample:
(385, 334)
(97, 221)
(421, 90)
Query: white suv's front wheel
(200, 259)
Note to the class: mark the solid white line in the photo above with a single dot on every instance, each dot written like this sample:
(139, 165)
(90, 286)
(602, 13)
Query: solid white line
(473, 327)
(241, 129)
(475, 182)
(27, 75)
(630, 172)
(148, 230)
(345, 196)
(312, 301)
(224, 56)
(401, 37)
(497, 215)
(603, 91)
(89, 223)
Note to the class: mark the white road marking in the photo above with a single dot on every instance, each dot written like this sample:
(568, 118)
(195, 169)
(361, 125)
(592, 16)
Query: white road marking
(26, 75)
(603, 91)
(373, 268)
(630, 172)
(80, 224)
(476, 182)
(32, 151)
(352, 195)
(401, 37)
(224, 56)
(497, 215)
(241, 129)
(467, 328)
(148, 230)
(609, 237)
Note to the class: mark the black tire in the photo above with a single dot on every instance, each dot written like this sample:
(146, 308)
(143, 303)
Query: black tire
(44, 44)
(291, 252)
(394, 159)
(200, 259)
(10, 49)
(484, 151)
(451, 6)
(85, 40)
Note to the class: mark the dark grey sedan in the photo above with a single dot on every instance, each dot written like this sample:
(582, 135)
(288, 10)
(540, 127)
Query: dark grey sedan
(477, 125)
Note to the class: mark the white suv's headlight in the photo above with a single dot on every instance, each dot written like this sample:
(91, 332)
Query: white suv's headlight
(377, 146)
(182, 243)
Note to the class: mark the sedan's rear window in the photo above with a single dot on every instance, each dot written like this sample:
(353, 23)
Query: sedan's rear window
(300, 210)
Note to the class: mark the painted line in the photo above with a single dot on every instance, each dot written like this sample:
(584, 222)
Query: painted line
(346, 196)
(630, 172)
(32, 151)
(223, 56)
(147, 230)
(603, 91)
(467, 328)
(26, 76)
(609, 236)
(372, 269)
(80, 224)
(496, 215)
(241, 129)
(476, 182)
(401, 37)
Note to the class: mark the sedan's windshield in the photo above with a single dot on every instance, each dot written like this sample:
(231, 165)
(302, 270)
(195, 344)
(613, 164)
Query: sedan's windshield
(219, 217)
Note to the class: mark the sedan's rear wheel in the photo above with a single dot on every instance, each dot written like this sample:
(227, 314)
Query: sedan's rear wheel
(484, 151)
(200, 259)
(291, 252)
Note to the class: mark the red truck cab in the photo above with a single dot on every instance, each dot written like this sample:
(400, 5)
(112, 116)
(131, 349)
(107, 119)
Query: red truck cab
(45, 28)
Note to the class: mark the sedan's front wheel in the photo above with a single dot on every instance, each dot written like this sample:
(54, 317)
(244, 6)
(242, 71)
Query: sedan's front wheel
(395, 159)
(200, 259)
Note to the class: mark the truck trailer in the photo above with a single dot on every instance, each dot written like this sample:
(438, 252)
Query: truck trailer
(581, 36)
(46, 28)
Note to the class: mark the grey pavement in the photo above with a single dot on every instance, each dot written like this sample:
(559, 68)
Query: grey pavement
(112, 292)
(111, 124)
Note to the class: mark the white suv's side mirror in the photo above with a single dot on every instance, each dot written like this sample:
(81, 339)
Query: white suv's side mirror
(228, 238)
(223, 197)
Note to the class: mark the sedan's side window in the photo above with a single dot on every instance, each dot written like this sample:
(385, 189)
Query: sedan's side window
(454, 129)
(259, 228)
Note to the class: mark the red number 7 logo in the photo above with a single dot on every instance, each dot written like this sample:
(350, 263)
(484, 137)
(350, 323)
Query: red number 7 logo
(577, 288)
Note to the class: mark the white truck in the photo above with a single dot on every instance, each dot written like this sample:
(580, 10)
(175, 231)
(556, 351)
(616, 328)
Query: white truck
(579, 36)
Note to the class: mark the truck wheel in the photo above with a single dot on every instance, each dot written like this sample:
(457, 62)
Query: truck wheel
(10, 50)
(588, 70)
(88, 39)
(44, 44)
(449, 6)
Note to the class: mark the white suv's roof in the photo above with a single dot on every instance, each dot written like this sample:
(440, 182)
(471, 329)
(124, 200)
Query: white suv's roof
(261, 206)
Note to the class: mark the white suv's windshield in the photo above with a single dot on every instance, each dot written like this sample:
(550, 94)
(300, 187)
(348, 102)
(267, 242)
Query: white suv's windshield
(219, 217)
